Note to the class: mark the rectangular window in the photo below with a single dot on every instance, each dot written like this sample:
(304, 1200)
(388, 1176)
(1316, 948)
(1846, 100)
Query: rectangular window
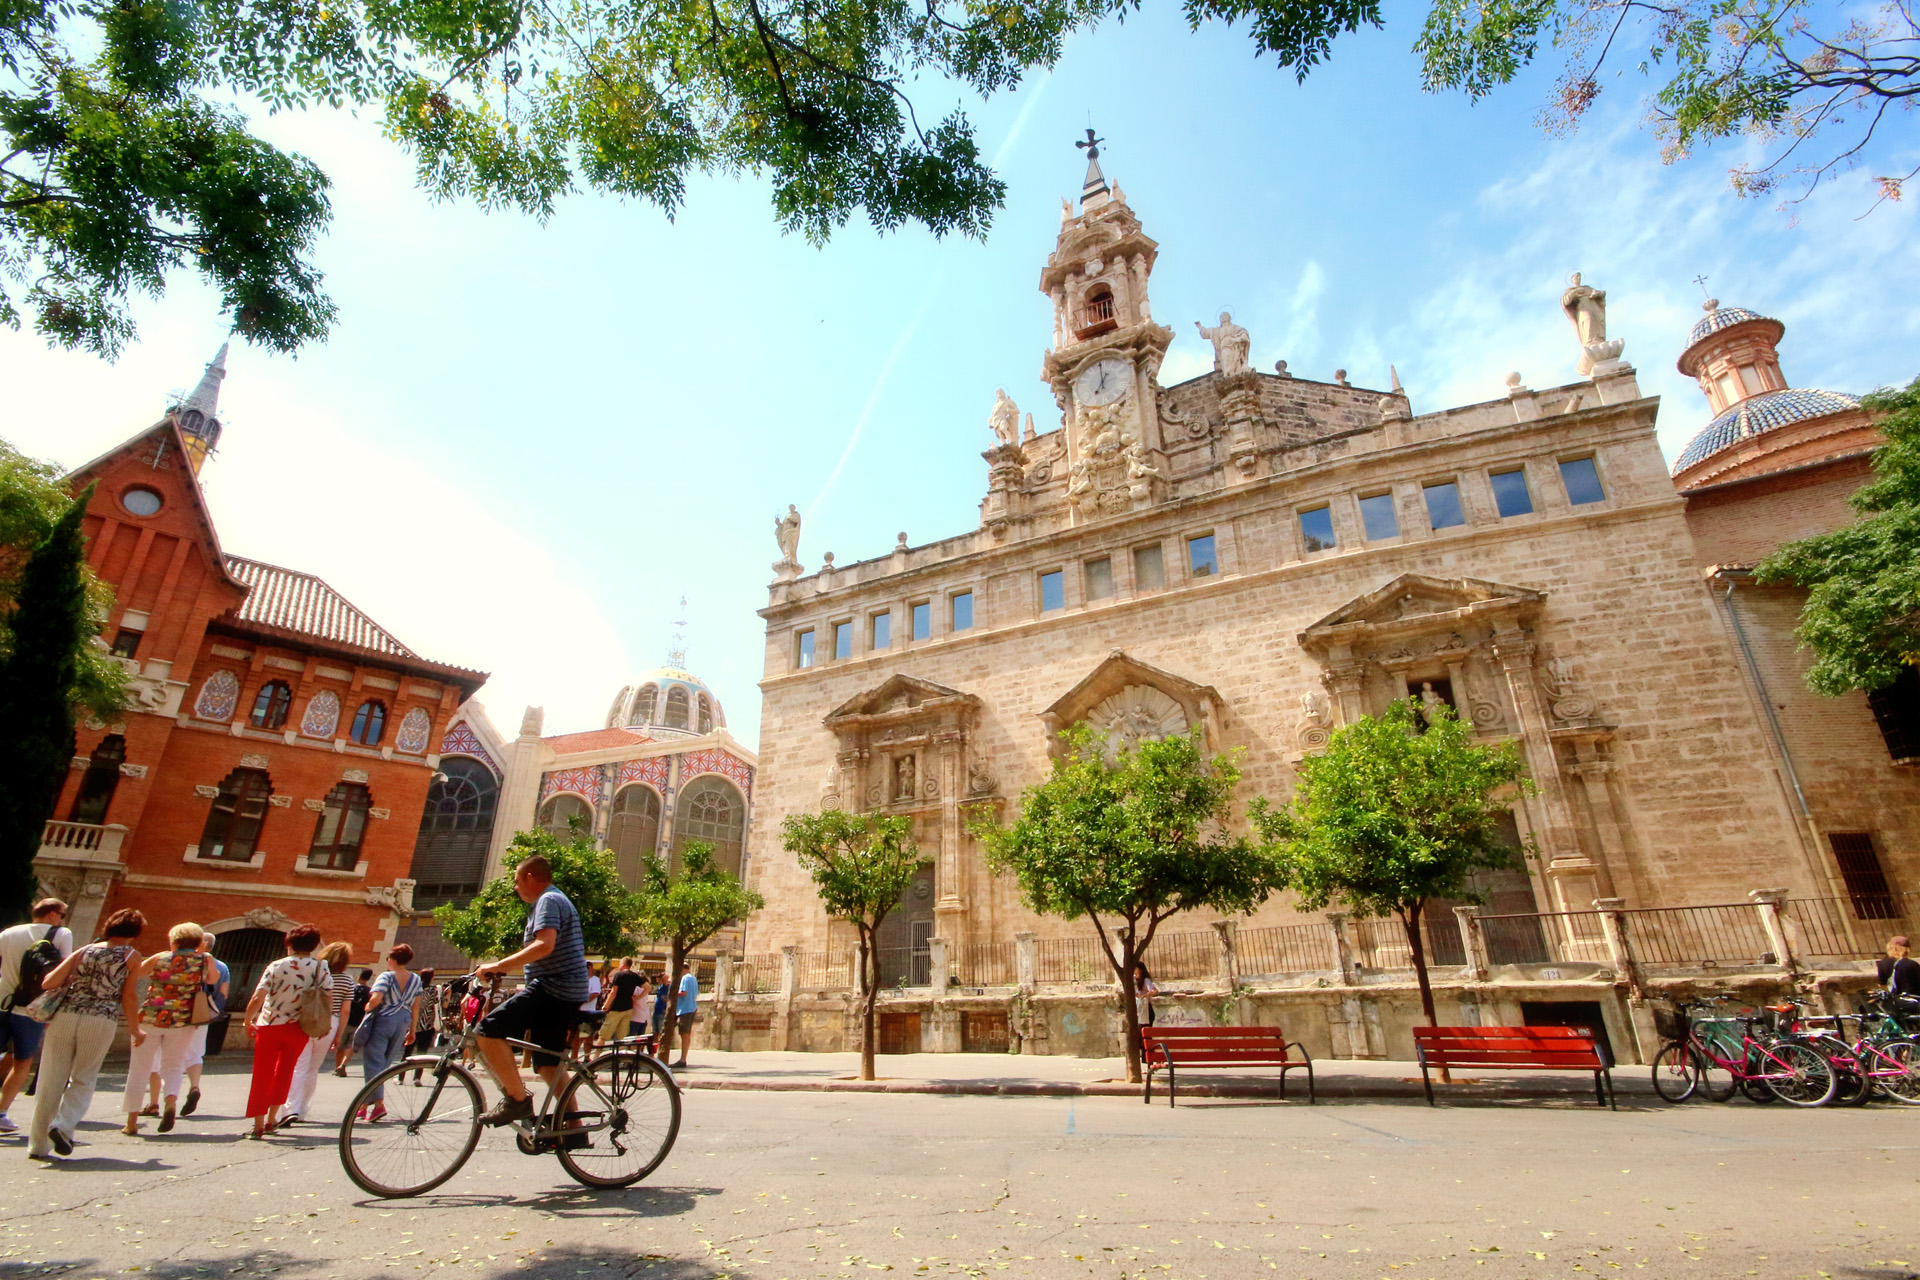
(1099, 578)
(1510, 496)
(126, 642)
(923, 620)
(962, 612)
(1750, 378)
(1201, 561)
(882, 625)
(1443, 505)
(1149, 569)
(843, 639)
(1865, 879)
(1053, 591)
(803, 649)
(1378, 518)
(1316, 529)
(1582, 479)
(1896, 709)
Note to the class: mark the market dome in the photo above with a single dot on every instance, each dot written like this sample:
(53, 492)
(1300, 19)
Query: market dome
(667, 701)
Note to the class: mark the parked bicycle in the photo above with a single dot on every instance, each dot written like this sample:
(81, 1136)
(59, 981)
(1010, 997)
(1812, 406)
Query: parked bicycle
(1881, 1060)
(610, 1118)
(1714, 1054)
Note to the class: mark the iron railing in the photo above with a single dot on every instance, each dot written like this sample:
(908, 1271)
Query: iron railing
(757, 974)
(1070, 960)
(1729, 933)
(1299, 948)
(1184, 956)
(986, 964)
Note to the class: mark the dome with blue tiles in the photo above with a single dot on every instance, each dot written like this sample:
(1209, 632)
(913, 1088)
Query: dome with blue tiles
(1718, 318)
(1757, 415)
(669, 700)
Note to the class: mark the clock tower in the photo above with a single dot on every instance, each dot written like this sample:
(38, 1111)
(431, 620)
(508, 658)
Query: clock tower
(1106, 349)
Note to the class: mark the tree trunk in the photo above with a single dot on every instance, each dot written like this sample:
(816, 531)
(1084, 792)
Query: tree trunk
(870, 980)
(1411, 922)
(1129, 1009)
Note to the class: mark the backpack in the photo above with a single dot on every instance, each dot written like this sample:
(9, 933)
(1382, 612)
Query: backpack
(39, 960)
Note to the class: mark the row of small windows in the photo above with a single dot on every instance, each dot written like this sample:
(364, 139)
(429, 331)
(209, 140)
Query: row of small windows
(710, 809)
(1149, 572)
(1379, 520)
(806, 644)
(275, 699)
(239, 810)
(678, 707)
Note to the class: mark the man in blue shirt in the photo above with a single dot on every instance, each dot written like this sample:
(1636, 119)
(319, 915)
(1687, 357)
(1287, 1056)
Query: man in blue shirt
(555, 956)
(197, 1046)
(687, 1005)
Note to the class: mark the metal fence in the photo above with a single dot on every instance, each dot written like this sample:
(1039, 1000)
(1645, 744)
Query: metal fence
(1730, 933)
(1853, 928)
(1184, 956)
(1382, 944)
(1545, 937)
(986, 964)
(1299, 948)
(828, 970)
(757, 974)
(1070, 960)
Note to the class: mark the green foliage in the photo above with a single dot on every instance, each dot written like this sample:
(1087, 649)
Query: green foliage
(1130, 839)
(1396, 812)
(687, 909)
(493, 923)
(860, 863)
(36, 687)
(1862, 615)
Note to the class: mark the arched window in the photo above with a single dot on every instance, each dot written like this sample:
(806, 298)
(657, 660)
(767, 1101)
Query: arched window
(233, 824)
(270, 705)
(342, 825)
(710, 809)
(557, 816)
(677, 707)
(450, 856)
(369, 722)
(706, 714)
(643, 705)
(97, 783)
(633, 831)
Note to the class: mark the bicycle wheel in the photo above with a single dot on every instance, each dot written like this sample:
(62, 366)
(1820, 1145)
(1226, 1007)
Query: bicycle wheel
(1717, 1083)
(1906, 1086)
(1757, 1091)
(621, 1117)
(1676, 1072)
(426, 1135)
(1799, 1074)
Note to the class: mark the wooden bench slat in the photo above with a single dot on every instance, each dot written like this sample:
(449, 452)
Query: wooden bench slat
(1513, 1049)
(1171, 1048)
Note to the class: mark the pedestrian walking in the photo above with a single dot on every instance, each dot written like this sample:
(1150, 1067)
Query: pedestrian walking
(28, 953)
(356, 1010)
(623, 989)
(586, 1028)
(426, 1021)
(319, 1051)
(686, 1010)
(273, 1024)
(99, 989)
(174, 978)
(217, 992)
(662, 997)
(392, 1009)
(1899, 971)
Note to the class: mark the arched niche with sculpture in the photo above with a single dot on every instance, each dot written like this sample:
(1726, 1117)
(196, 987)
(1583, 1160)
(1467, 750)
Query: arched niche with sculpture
(1132, 702)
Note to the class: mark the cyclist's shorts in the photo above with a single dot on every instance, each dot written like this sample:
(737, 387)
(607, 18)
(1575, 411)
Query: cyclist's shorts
(530, 1014)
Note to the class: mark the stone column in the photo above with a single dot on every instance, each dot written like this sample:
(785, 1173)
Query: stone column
(1573, 875)
(1343, 948)
(1767, 902)
(782, 1022)
(1025, 960)
(722, 976)
(1225, 928)
(939, 965)
(1346, 681)
(1473, 942)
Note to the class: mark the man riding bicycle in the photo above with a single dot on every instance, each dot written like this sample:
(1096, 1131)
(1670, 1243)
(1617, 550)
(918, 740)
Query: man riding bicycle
(555, 956)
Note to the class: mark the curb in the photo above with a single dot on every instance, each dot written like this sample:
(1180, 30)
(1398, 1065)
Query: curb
(1062, 1089)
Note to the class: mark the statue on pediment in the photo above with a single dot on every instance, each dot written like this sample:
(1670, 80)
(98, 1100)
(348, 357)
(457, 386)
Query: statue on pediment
(1231, 344)
(1005, 418)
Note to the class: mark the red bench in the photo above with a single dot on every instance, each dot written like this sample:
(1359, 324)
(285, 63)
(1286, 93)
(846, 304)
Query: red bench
(1168, 1048)
(1515, 1049)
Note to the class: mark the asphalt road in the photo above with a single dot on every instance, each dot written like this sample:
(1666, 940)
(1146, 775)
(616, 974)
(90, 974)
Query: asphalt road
(803, 1185)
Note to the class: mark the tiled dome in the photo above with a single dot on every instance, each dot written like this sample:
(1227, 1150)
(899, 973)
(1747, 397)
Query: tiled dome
(644, 704)
(1721, 318)
(1759, 414)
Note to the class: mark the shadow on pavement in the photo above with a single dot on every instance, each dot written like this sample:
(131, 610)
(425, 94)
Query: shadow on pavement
(641, 1201)
(545, 1264)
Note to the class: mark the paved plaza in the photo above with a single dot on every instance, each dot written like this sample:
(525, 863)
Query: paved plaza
(822, 1184)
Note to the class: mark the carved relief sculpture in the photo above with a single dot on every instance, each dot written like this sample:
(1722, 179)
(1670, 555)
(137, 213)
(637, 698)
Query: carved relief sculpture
(1564, 700)
(903, 778)
(1138, 713)
(1315, 727)
(1231, 344)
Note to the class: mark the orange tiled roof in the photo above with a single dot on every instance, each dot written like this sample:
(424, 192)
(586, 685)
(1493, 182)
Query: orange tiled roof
(595, 740)
(295, 601)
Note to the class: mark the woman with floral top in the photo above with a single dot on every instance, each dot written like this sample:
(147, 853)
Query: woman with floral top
(173, 979)
(273, 1024)
(98, 990)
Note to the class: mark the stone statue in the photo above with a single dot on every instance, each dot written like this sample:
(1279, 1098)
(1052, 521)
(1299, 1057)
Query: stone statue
(1100, 427)
(1231, 344)
(1586, 307)
(1313, 708)
(1005, 419)
(1430, 702)
(1079, 483)
(903, 778)
(1138, 468)
(532, 722)
(786, 531)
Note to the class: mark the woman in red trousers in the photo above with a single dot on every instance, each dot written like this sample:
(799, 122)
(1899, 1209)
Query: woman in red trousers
(273, 1024)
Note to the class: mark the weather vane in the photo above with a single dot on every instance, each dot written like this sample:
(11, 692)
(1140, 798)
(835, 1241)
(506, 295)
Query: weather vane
(1091, 146)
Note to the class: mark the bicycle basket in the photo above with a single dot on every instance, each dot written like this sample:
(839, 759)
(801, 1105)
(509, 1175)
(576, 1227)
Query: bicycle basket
(1670, 1023)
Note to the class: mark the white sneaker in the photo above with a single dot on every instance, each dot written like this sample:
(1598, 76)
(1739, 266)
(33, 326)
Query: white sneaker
(7, 1125)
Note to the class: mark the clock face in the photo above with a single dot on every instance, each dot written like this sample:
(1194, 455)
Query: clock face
(1103, 383)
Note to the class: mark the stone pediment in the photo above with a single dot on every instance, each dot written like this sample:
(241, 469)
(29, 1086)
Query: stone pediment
(1126, 697)
(898, 698)
(1416, 602)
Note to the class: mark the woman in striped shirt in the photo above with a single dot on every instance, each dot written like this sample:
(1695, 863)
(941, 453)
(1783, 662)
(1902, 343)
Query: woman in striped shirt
(306, 1072)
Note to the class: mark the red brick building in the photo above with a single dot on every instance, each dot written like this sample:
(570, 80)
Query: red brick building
(274, 760)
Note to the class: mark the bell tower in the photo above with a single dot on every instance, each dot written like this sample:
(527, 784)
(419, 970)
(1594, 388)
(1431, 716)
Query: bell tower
(1106, 348)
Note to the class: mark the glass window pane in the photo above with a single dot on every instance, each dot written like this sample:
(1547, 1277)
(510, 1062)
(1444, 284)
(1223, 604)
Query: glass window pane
(1053, 591)
(1443, 505)
(843, 639)
(1750, 378)
(1582, 479)
(1201, 561)
(1378, 518)
(1510, 496)
(882, 630)
(803, 656)
(1149, 569)
(963, 611)
(1099, 574)
(922, 620)
(1316, 529)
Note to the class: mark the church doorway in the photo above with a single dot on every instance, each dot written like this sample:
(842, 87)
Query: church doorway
(904, 937)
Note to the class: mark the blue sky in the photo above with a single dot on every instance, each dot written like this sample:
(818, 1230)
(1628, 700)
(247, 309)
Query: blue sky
(523, 443)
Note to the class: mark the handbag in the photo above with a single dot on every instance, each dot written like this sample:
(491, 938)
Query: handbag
(315, 1010)
(43, 1006)
(202, 1009)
